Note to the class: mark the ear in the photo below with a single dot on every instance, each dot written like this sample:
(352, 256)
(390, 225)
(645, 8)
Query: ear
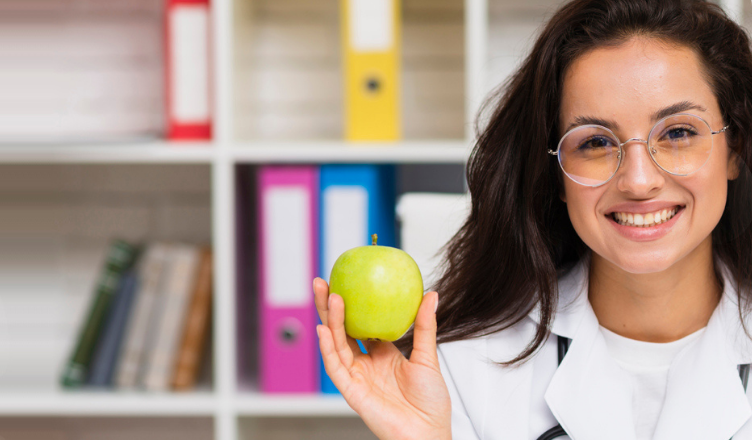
(733, 167)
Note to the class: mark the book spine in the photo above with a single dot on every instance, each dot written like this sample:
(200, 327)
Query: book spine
(169, 317)
(150, 273)
(196, 327)
(119, 258)
(108, 347)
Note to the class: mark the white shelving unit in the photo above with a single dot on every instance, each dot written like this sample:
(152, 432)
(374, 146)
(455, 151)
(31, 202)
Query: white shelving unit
(107, 404)
(462, 79)
(150, 152)
(439, 151)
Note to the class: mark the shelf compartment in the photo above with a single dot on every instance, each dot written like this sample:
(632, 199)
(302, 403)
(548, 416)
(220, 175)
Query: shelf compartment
(288, 70)
(56, 223)
(79, 69)
(409, 177)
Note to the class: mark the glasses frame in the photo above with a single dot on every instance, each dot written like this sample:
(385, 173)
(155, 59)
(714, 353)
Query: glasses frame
(620, 155)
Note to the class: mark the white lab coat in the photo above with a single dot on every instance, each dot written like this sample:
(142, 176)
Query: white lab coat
(589, 394)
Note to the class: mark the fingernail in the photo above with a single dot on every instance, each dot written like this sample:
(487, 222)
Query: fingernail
(436, 307)
(329, 303)
(314, 284)
(318, 331)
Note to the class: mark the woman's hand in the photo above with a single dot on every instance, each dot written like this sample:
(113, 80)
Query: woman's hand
(397, 398)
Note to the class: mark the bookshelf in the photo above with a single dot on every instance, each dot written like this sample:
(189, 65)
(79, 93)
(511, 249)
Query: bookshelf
(60, 202)
(158, 152)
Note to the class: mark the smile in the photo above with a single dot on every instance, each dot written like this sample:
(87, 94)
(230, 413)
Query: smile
(645, 220)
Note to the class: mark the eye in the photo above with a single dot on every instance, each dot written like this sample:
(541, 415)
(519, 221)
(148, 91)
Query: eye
(679, 133)
(596, 142)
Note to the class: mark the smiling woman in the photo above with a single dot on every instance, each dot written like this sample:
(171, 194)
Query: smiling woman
(601, 284)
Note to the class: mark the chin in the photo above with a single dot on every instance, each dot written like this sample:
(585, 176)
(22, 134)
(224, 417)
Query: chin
(641, 262)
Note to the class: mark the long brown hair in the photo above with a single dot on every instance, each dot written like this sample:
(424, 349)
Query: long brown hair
(518, 239)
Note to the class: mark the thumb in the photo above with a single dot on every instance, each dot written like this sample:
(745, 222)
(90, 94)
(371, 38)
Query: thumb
(424, 334)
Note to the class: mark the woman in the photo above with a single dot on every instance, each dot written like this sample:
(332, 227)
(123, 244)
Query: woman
(610, 208)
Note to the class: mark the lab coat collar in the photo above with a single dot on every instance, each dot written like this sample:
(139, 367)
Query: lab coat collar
(573, 301)
(591, 396)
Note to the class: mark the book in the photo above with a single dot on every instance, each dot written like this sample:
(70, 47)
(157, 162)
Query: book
(150, 272)
(196, 327)
(108, 346)
(168, 317)
(119, 258)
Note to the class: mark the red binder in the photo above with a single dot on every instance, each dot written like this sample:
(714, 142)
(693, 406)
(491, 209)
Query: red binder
(187, 68)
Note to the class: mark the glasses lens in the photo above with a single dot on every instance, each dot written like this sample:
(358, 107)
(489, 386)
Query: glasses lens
(681, 144)
(589, 154)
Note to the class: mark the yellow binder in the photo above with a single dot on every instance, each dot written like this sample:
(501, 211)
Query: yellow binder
(371, 35)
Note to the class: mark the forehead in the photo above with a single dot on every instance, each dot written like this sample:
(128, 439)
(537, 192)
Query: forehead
(630, 81)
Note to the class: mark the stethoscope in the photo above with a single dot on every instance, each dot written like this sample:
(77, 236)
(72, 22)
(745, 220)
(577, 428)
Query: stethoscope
(563, 346)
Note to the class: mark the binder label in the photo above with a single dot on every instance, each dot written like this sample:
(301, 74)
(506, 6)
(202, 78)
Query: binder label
(288, 250)
(345, 221)
(371, 25)
(189, 26)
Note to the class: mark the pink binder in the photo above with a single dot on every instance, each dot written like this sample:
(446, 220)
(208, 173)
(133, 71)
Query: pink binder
(288, 221)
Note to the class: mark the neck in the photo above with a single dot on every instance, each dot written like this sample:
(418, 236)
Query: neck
(656, 307)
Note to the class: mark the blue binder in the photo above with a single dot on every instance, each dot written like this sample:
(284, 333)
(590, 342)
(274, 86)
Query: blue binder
(357, 200)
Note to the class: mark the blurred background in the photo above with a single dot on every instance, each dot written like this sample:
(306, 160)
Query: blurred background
(174, 173)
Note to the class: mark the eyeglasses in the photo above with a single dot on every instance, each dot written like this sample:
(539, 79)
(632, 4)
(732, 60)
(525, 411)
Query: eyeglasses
(679, 144)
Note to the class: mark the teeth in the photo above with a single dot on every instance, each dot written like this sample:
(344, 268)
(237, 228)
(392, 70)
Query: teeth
(644, 220)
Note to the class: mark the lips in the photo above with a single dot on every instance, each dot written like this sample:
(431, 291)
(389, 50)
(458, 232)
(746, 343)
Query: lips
(653, 229)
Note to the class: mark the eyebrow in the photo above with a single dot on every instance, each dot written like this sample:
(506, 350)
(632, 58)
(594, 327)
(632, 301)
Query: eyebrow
(655, 117)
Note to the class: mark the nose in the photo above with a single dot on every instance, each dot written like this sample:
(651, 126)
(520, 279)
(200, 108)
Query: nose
(638, 175)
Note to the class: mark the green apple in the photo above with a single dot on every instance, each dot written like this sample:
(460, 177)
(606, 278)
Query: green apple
(382, 289)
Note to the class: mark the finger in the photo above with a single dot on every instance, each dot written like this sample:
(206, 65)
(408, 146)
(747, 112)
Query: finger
(321, 298)
(424, 334)
(346, 346)
(337, 372)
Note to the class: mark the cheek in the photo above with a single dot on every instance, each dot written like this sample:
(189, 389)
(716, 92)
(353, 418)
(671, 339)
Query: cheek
(581, 206)
(709, 191)
(713, 184)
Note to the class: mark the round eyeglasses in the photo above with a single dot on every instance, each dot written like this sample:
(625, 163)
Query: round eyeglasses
(679, 144)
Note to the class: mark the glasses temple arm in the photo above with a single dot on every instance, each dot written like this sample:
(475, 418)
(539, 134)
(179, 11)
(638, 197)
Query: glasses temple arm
(720, 131)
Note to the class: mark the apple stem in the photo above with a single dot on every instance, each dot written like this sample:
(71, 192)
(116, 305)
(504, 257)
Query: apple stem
(373, 239)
